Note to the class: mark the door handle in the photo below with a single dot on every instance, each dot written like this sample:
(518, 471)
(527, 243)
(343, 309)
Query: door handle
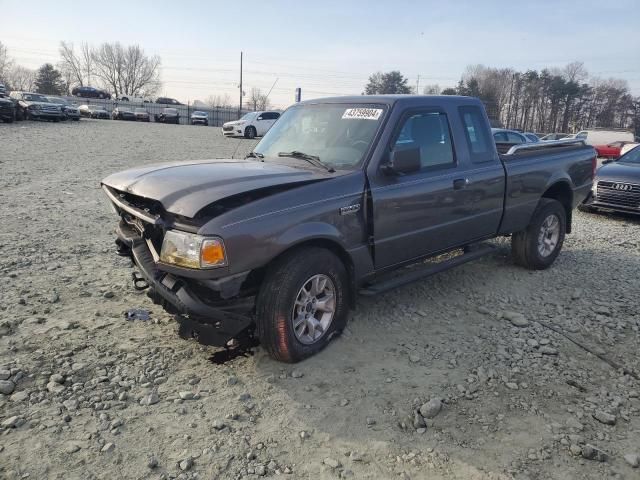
(460, 183)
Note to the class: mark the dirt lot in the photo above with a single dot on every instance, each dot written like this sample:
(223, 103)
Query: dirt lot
(88, 394)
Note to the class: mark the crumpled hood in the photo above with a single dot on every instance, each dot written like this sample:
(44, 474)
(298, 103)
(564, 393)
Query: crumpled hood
(184, 188)
(619, 171)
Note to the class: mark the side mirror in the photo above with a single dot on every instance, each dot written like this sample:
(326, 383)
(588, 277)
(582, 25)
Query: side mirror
(403, 162)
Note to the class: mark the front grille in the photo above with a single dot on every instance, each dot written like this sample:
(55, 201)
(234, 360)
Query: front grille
(618, 194)
(227, 129)
(47, 108)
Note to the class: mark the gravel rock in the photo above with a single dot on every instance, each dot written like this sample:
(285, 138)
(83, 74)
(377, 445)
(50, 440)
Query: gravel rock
(71, 404)
(5, 374)
(594, 453)
(186, 464)
(632, 459)
(12, 422)
(297, 374)
(576, 450)
(108, 447)
(19, 396)
(7, 387)
(71, 448)
(152, 462)
(516, 319)
(604, 417)
(218, 424)
(332, 462)
(186, 395)
(431, 408)
(57, 378)
(547, 350)
(55, 387)
(150, 399)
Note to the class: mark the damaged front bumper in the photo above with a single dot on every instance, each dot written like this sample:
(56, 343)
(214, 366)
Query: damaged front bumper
(207, 308)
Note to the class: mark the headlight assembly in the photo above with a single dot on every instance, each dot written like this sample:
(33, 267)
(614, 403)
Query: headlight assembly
(192, 251)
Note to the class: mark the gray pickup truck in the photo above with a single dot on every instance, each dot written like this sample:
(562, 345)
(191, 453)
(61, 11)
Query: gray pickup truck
(337, 196)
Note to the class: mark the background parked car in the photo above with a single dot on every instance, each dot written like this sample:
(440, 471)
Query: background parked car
(251, 125)
(611, 150)
(90, 92)
(531, 137)
(168, 115)
(141, 115)
(7, 108)
(36, 106)
(603, 136)
(168, 101)
(628, 147)
(70, 111)
(616, 185)
(555, 136)
(3, 89)
(123, 113)
(93, 111)
(199, 117)
(132, 99)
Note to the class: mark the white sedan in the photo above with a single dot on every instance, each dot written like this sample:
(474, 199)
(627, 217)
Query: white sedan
(251, 125)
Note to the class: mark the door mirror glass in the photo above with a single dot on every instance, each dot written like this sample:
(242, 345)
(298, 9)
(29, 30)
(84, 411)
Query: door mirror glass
(404, 161)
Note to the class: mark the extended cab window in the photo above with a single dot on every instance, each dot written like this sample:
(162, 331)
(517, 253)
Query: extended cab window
(428, 132)
(479, 141)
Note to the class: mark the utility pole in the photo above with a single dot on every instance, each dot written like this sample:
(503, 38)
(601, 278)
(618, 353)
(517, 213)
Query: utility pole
(240, 108)
(418, 86)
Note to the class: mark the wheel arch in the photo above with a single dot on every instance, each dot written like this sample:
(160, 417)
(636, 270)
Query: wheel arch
(562, 192)
(325, 242)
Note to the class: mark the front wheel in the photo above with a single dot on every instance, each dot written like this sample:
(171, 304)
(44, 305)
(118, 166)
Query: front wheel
(537, 247)
(302, 304)
(250, 133)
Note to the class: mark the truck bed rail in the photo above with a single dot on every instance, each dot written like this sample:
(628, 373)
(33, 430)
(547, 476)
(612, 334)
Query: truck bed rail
(527, 147)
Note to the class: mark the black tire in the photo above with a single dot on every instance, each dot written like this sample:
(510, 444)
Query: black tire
(8, 120)
(525, 244)
(250, 133)
(277, 297)
(206, 124)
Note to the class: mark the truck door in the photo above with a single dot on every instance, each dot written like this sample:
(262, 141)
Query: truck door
(448, 202)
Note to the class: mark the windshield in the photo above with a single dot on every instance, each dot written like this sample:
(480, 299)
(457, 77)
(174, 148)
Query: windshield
(200, 113)
(632, 156)
(34, 97)
(247, 116)
(338, 134)
(58, 101)
(140, 110)
(124, 109)
(170, 110)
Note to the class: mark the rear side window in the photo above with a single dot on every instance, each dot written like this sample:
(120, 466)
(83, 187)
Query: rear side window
(478, 138)
(514, 138)
(429, 132)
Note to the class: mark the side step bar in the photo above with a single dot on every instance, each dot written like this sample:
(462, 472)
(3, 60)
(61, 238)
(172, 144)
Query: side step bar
(471, 254)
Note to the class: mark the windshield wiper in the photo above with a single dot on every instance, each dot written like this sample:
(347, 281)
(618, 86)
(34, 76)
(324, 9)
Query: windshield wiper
(313, 159)
(254, 155)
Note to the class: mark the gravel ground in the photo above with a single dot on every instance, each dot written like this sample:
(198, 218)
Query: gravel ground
(467, 375)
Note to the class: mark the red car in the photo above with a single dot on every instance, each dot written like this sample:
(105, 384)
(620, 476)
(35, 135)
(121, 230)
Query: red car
(611, 150)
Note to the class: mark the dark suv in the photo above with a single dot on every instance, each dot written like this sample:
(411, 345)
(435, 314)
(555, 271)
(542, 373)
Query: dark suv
(168, 101)
(90, 92)
(7, 108)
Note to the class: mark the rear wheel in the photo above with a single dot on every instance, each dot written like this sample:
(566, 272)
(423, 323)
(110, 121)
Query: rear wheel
(537, 247)
(250, 132)
(302, 304)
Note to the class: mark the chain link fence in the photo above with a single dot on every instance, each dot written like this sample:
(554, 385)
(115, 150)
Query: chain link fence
(217, 115)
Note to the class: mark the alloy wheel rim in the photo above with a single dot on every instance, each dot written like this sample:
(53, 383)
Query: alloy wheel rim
(549, 235)
(314, 309)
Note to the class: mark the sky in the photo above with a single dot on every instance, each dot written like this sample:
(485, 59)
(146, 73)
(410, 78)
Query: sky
(331, 47)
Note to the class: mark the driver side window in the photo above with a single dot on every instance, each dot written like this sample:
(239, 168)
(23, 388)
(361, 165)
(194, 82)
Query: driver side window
(429, 133)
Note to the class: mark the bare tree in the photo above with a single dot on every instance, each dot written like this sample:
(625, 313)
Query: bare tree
(71, 64)
(258, 100)
(219, 101)
(127, 70)
(21, 78)
(431, 89)
(6, 64)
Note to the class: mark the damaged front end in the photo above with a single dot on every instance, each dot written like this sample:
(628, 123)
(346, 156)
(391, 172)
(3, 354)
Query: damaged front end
(213, 306)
